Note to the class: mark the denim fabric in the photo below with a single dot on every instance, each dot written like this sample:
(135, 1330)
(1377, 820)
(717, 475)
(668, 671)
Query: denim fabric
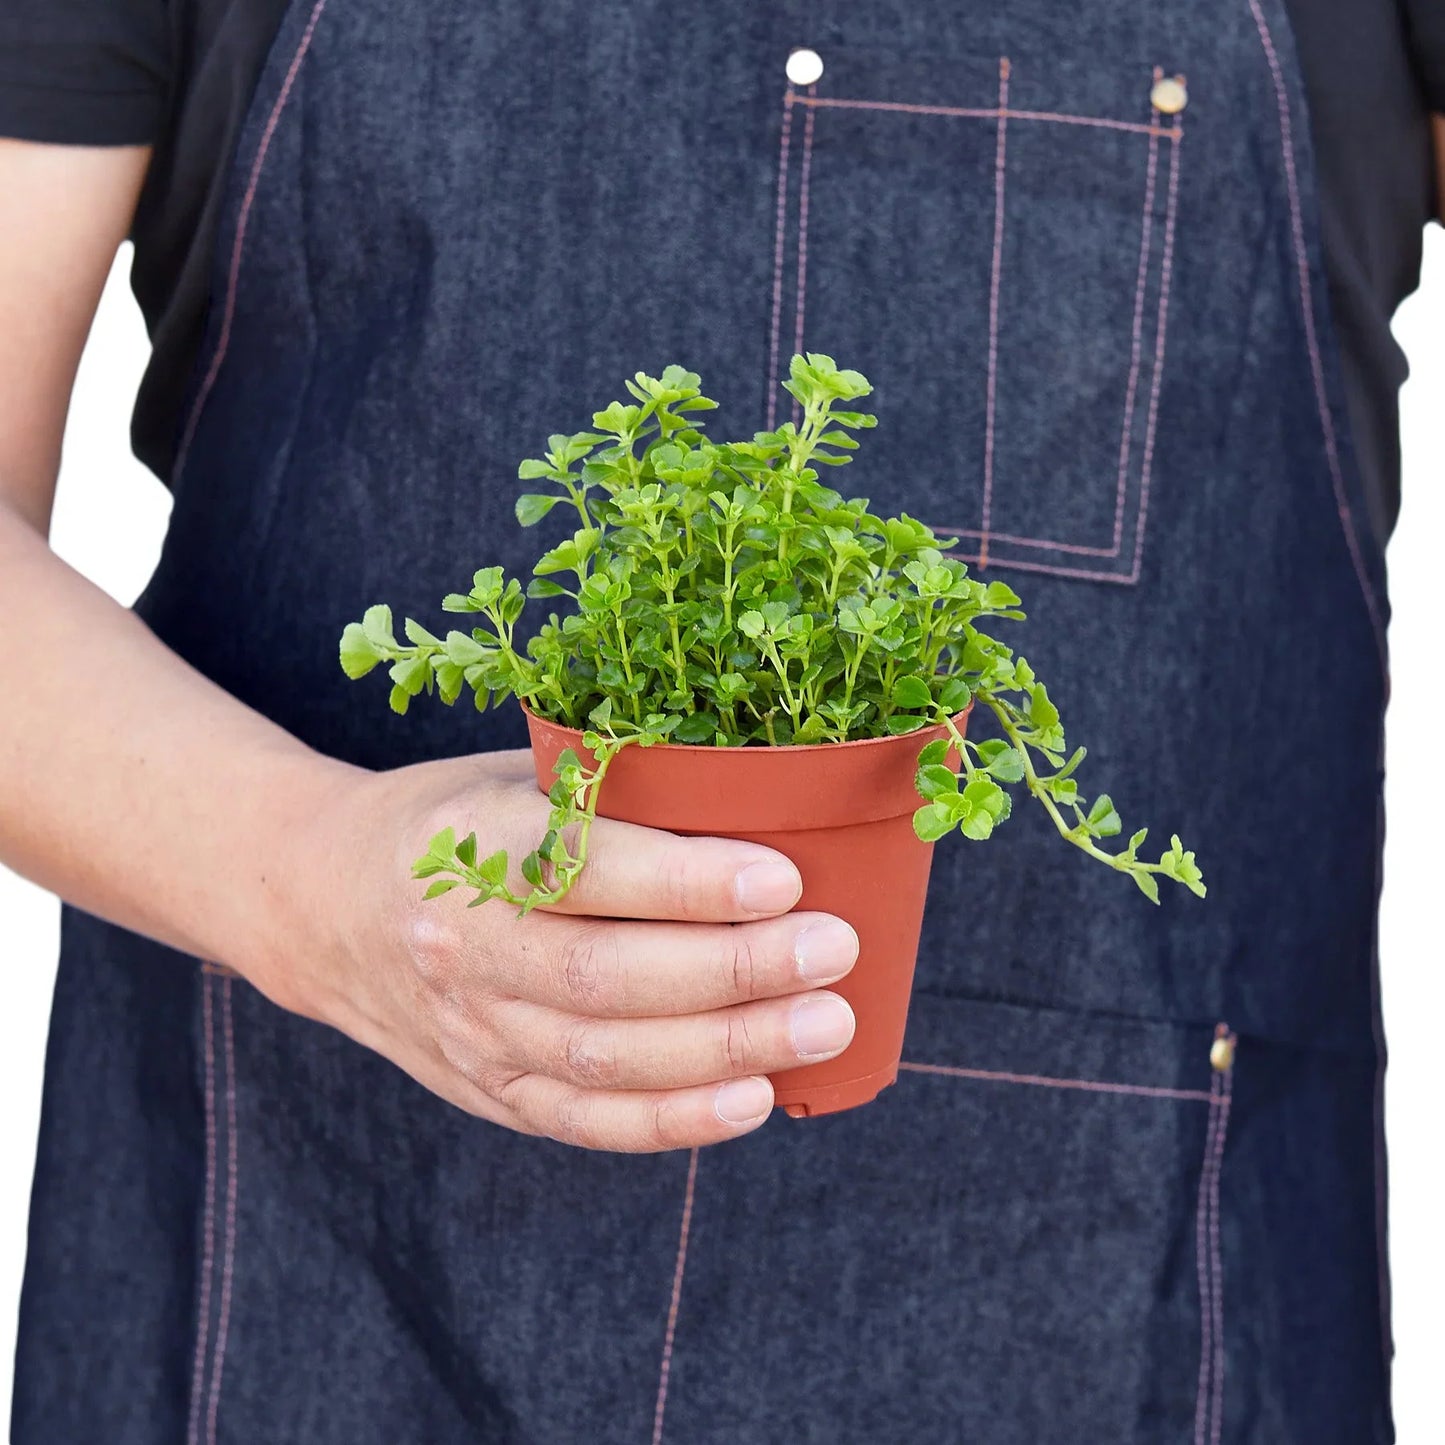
(1102, 357)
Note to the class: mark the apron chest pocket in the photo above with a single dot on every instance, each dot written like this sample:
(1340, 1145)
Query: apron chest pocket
(993, 247)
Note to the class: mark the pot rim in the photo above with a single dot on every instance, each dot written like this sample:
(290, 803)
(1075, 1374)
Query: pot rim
(713, 749)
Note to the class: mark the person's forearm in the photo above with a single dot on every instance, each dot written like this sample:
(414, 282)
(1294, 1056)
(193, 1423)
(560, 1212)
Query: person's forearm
(131, 785)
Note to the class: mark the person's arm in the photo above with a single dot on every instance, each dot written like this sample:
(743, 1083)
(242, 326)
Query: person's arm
(137, 789)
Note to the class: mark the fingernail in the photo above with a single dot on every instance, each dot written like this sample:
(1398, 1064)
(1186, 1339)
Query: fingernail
(825, 950)
(768, 887)
(821, 1026)
(743, 1101)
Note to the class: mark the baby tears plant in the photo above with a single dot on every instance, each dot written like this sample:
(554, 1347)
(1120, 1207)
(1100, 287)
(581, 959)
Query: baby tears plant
(720, 593)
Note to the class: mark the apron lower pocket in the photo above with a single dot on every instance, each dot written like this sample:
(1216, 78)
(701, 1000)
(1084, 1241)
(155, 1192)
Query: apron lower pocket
(1019, 1243)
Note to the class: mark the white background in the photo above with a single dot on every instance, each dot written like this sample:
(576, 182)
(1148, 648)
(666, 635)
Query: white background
(109, 520)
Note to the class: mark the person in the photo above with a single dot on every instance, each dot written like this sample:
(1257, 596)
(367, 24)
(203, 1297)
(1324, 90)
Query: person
(1122, 277)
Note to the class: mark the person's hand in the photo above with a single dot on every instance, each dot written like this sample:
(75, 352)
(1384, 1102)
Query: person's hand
(642, 1014)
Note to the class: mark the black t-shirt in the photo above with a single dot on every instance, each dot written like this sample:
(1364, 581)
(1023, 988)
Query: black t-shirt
(178, 74)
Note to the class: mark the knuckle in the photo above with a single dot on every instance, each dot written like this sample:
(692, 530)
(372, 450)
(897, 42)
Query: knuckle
(507, 1087)
(677, 884)
(588, 964)
(745, 962)
(572, 1120)
(588, 1053)
(739, 1043)
(666, 1127)
(430, 951)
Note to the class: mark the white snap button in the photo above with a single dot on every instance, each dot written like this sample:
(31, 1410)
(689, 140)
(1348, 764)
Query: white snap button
(804, 67)
(1169, 96)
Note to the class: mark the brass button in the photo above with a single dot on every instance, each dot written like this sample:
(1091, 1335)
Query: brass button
(1169, 96)
(804, 67)
(1221, 1053)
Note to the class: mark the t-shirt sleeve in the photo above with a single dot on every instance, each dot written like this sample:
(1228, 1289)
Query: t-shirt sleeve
(1426, 22)
(84, 72)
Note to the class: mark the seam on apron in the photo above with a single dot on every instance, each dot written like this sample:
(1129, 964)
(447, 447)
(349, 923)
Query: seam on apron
(1216, 1258)
(208, 1221)
(659, 1414)
(229, 1256)
(988, 112)
(1317, 371)
(238, 246)
(779, 237)
(1204, 1270)
(804, 176)
(1136, 332)
(1161, 328)
(1089, 1086)
(995, 276)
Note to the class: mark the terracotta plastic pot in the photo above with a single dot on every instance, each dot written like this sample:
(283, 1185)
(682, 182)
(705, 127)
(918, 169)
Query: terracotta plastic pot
(843, 812)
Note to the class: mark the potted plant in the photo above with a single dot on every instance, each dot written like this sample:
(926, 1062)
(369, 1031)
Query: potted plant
(741, 650)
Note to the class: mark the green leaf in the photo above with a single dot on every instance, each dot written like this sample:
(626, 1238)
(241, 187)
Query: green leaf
(419, 635)
(912, 693)
(400, 700)
(934, 752)
(411, 674)
(532, 507)
(977, 825)
(358, 654)
(463, 650)
(698, 728)
(376, 624)
(467, 850)
(532, 469)
(532, 870)
(954, 696)
(1147, 886)
(751, 624)
(493, 870)
(931, 822)
(442, 885)
(934, 780)
(1007, 766)
(1102, 820)
(443, 845)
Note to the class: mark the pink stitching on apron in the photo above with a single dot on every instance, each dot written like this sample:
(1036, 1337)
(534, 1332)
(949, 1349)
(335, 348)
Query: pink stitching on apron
(233, 279)
(1201, 1258)
(229, 1257)
(803, 179)
(1209, 1403)
(1166, 276)
(666, 1369)
(1317, 370)
(208, 1224)
(986, 112)
(1216, 1255)
(1136, 342)
(778, 239)
(1092, 1086)
(995, 272)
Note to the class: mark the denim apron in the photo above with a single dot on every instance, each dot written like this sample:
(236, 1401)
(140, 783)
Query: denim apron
(1129, 1186)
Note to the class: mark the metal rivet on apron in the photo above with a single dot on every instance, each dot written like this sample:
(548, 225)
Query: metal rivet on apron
(1169, 96)
(1221, 1054)
(804, 67)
